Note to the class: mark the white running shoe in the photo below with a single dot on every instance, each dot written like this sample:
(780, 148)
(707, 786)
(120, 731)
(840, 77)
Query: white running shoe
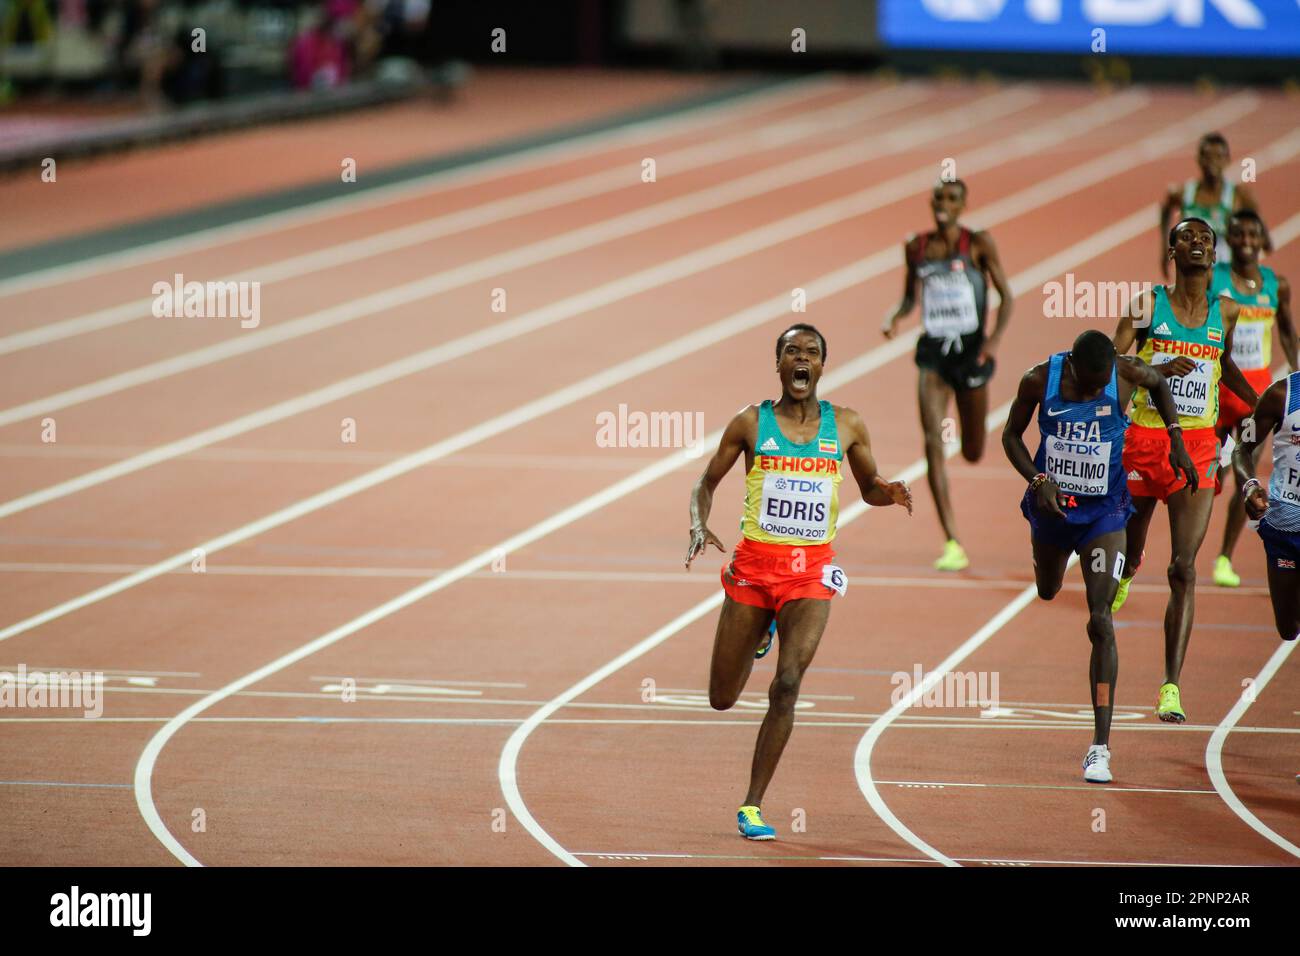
(1096, 764)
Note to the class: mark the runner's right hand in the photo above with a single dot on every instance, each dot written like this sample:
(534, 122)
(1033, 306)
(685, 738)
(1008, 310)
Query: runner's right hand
(1049, 498)
(887, 327)
(1177, 368)
(701, 538)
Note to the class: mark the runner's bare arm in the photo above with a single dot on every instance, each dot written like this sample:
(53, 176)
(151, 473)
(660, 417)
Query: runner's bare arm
(1254, 431)
(909, 288)
(1028, 397)
(1233, 379)
(1173, 200)
(1136, 317)
(992, 267)
(1285, 326)
(1138, 374)
(876, 491)
(736, 438)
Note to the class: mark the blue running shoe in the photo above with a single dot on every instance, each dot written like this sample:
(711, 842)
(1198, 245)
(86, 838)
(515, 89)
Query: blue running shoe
(768, 644)
(751, 825)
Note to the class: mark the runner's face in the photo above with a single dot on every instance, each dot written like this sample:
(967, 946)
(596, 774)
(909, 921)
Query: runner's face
(947, 203)
(800, 366)
(1246, 239)
(1212, 158)
(1193, 247)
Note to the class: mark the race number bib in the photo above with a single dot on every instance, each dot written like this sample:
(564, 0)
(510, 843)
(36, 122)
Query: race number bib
(1248, 345)
(948, 304)
(1078, 467)
(1285, 483)
(1192, 391)
(833, 577)
(796, 507)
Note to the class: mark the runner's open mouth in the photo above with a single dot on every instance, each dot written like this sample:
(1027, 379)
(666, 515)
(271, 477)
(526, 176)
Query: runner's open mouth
(801, 378)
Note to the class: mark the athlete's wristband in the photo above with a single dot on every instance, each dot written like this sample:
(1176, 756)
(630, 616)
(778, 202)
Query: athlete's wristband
(1174, 425)
(1250, 485)
(1037, 481)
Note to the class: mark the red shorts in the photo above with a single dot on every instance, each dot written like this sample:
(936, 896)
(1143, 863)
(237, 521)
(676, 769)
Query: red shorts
(1146, 460)
(769, 575)
(1232, 409)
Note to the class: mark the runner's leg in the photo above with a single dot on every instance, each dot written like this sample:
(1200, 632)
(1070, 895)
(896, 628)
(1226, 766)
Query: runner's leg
(1189, 518)
(1136, 533)
(1101, 560)
(933, 394)
(973, 411)
(1049, 566)
(801, 623)
(740, 628)
(1284, 590)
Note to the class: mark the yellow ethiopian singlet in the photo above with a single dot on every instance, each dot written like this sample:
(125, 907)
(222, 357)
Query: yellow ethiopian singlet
(1252, 338)
(792, 491)
(1197, 393)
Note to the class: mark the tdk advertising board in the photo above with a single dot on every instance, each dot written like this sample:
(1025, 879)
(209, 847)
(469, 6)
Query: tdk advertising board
(1245, 28)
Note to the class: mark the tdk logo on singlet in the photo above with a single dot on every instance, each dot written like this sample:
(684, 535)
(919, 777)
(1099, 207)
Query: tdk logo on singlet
(800, 484)
(1243, 14)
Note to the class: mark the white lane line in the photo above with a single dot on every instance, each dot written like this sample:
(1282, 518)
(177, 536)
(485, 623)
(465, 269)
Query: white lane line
(694, 723)
(1036, 786)
(592, 236)
(675, 124)
(414, 680)
(534, 574)
(784, 230)
(992, 861)
(1214, 751)
(699, 156)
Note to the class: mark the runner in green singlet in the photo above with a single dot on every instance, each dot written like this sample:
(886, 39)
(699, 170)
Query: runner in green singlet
(1211, 198)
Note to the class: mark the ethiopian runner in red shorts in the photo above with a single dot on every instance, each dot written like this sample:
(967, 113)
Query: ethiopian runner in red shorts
(1265, 301)
(1185, 334)
(795, 451)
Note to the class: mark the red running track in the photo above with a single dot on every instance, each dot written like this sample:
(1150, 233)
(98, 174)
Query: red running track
(501, 712)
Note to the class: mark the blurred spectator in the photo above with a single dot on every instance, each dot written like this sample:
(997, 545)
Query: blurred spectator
(193, 71)
(142, 50)
(27, 22)
(321, 57)
(402, 24)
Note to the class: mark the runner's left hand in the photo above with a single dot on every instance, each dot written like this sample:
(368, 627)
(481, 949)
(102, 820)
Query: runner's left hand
(1256, 503)
(988, 351)
(898, 492)
(1182, 464)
